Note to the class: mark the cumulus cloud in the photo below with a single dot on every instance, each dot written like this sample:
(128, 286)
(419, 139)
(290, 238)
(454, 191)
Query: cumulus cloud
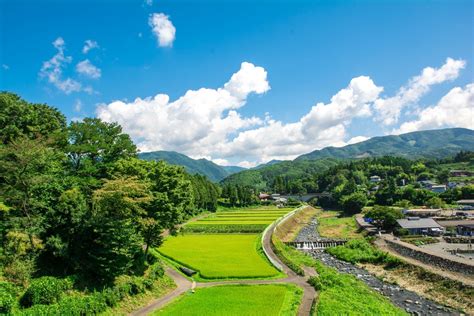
(88, 45)
(196, 123)
(52, 70)
(389, 109)
(87, 69)
(455, 109)
(357, 139)
(163, 29)
(205, 122)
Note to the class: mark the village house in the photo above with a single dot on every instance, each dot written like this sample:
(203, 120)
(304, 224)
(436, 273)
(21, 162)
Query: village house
(465, 230)
(375, 179)
(421, 226)
(422, 212)
(460, 173)
(438, 188)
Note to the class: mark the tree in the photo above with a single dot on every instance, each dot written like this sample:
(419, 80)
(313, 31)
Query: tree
(353, 204)
(19, 118)
(26, 167)
(115, 238)
(384, 217)
(435, 202)
(94, 144)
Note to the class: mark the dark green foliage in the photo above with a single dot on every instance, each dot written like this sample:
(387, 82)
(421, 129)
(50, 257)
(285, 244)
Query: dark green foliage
(384, 217)
(7, 297)
(34, 121)
(45, 290)
(202, 167)
(353, 203)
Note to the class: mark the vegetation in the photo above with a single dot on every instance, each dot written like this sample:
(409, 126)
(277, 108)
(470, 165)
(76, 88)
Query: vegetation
(360, 250)
(76, 204)
(334, 224)
(219, 255)
(281, 299)
(384, 217)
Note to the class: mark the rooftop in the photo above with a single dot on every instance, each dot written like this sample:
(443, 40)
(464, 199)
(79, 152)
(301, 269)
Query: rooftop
(418, 223)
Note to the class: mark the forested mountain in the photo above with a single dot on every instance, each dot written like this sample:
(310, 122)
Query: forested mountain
(203, 167)
(423, 144)
(299, 173)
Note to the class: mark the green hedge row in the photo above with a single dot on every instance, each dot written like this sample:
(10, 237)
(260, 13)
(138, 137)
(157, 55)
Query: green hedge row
(223, 229)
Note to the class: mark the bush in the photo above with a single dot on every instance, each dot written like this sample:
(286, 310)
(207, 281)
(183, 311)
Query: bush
(315, 282)
(74, 305)
(360, 250)
(7, 297)
(45, 290)
(156, 271)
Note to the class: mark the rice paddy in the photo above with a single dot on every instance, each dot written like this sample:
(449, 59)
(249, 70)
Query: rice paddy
(219, 255)
(275, 299)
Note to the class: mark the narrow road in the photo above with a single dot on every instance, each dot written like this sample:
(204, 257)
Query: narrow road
(184, 285)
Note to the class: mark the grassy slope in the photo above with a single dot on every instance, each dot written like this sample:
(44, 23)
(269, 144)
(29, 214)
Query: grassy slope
(219, 255)
(238, 300)
(332, 224)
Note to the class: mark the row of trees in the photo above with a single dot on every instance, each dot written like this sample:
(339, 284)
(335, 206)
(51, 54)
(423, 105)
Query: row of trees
(239, 195)
(74, 199)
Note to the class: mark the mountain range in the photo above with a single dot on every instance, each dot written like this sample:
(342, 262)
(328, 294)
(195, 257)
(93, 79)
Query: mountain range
(422, 144)
(205, 167)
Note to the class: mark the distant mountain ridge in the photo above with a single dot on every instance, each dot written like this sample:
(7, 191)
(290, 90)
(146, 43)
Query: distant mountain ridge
(204, 167)
(423, 144)
(429, 144)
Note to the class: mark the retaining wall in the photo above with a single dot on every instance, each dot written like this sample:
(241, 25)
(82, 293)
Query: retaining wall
(429, 258)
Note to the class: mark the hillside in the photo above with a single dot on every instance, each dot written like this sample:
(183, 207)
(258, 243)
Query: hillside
(424, 144)
(204, 167)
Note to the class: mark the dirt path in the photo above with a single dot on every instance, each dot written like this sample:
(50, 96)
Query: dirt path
(184, 285)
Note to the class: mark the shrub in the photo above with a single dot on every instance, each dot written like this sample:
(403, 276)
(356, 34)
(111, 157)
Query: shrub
(45, 290)
(7, 297)
(156, 271)
(315, 282)
(112, 296)
(359, 250)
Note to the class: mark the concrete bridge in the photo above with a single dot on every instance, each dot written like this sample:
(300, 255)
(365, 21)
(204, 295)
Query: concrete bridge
(306, 197)
(317, 245)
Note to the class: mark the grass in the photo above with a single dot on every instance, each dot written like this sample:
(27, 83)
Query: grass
(361, 251)
(275, 299)
(219, 255)
(332, 224)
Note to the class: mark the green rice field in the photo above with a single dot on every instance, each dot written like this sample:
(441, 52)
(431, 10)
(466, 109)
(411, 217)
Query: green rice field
(219, 255)
(275, 299)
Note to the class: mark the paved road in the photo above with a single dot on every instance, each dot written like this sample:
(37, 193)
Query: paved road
(184, 285)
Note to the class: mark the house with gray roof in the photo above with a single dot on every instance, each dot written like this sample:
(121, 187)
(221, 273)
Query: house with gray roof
(421, 226)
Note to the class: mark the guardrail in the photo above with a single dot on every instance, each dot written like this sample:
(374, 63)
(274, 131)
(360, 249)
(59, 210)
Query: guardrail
(272, 226)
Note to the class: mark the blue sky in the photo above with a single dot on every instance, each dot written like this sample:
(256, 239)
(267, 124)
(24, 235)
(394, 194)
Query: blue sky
(301, 53)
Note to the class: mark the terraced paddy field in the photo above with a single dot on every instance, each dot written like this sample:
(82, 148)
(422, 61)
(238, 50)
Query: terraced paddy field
(274, 299)
(220, 256)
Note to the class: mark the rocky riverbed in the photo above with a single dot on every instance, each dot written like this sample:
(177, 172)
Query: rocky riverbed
(407, 300)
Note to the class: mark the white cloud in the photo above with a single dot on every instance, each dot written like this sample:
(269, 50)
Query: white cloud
(88, 45)
(163, 29)
(52, 70)
(357, 139)
(149, 2)
(77, 105)
(205, 122)
(87, 69)
(455, 109)
(5, 66)
(197, 123)
(389, 109)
